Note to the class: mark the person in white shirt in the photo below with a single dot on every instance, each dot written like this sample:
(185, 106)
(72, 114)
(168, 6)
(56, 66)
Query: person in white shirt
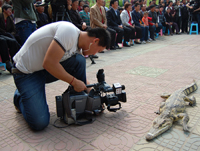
(52, 52)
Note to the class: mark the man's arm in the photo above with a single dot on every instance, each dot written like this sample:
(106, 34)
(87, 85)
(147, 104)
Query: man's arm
(111, 21)
(52, 65)
(93, 18)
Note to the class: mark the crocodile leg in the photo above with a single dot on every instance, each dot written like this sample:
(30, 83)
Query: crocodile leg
(160, 108)
(165, 95)
(185, 118)
(192, 100)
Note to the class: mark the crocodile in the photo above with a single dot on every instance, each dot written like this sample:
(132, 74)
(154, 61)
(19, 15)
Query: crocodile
(171, 110)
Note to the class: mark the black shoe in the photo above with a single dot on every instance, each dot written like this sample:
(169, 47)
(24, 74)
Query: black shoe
(126, 45)
(95, 56)
(178, 33)
(101, 52)
(9, 66)
(137, 42)
(131, 44)
(117, 47)
(112, 48)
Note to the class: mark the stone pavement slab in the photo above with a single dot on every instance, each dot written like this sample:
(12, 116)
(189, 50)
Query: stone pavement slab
(147, 71)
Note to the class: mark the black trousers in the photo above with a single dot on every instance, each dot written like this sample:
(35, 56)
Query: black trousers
(138, 31)
(9, 46)
(152, 30)
(113, 35)
(120, 33)
(179, 22)
(185, 25)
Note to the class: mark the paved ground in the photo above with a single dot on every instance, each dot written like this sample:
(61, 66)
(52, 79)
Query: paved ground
(147, 71)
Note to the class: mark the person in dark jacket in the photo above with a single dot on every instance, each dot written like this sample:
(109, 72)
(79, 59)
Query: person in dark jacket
(114, 22)
(76, 18)
(169, 20)
(138, 23)
(43, 18)
(178, 15)
(154, 16)
(184, 13)
(8, 43)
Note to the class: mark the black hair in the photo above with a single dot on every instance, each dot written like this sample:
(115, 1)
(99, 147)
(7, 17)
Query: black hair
(85, 5)
(102, 34)
(6, 6)
(136, 5)
(112, 2)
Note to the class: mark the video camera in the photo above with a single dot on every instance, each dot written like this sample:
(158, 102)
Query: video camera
(71, 105)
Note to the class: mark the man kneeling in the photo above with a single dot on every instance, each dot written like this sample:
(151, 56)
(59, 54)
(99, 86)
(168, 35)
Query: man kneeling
(52, 52)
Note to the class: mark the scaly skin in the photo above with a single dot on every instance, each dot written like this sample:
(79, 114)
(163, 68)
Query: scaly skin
(173, 109)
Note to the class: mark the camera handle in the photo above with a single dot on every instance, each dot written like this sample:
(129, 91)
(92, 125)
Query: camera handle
(113, 109)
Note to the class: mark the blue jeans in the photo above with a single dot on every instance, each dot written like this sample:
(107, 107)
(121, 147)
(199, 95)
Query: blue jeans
(30, 96)
(144, 33)
(159, 28)
(24, 29)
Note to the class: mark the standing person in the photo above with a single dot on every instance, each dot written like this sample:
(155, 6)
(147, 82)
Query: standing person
(25, 18)
(128, 22)
(178, 16)
(114, 22)
(163, 20)
(184, 13)
(98, 19)
(50, 54)
(85, 15)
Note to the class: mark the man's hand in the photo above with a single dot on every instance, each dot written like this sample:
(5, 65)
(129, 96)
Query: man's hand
(120, 26)
(84, 26)
(78, 85)
(104, 26)
(156, 24)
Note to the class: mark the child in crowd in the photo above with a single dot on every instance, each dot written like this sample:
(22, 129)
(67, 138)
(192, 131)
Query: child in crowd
(145, 20)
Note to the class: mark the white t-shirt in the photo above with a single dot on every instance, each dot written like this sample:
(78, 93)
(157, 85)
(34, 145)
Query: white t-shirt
(30, 57)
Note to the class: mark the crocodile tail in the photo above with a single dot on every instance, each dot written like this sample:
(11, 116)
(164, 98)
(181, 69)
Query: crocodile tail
(191, 88)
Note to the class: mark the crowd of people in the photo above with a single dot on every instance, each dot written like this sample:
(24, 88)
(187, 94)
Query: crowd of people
(134, 23)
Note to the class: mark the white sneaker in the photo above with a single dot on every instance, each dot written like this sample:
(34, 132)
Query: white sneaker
(143, 42)
(148, 41)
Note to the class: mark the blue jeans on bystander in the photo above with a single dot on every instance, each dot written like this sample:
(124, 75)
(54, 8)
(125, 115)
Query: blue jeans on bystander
(24, 29)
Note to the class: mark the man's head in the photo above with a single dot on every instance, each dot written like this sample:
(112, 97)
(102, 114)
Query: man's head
(81, 3)
(178, 3)
(114, 4)
(100, 41)
(100, 2)
(40, 9)
(161, 8)
(154, 2)
(7, 9)
(168, 10)
(74, 4)
(152, 8)
(143, 8)
(137, 7)
(156, 9)
(170, 3)
(150, 3)
(184, 1)
(141, 2)
(86, 8)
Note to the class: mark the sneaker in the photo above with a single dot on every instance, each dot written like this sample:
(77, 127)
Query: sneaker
(148, 41)
(143, 42)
